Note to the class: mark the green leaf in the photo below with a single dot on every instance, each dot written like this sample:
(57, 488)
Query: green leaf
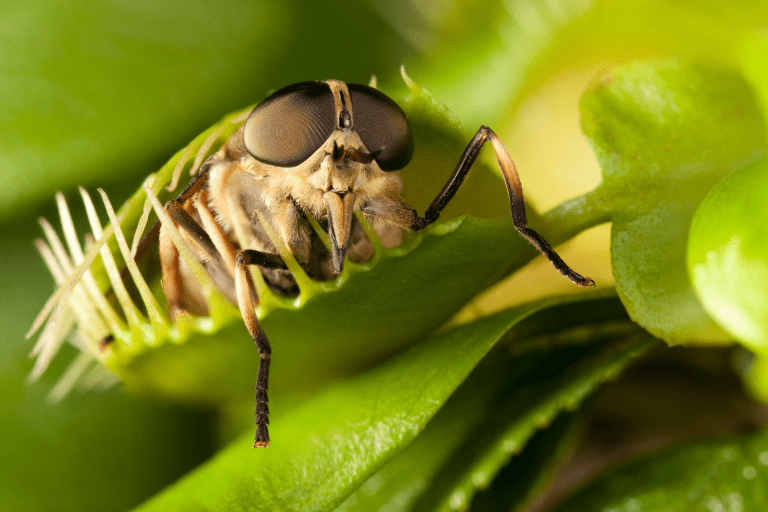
(534, 403)
(664, 134)
(491, 417)
(327, 446)
(727, 261)
(722, 475)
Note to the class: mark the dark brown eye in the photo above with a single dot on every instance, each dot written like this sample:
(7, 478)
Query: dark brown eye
(383, 127)
(291, 124)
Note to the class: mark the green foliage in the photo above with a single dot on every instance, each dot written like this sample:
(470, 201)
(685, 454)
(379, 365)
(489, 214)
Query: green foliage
(490, 419)
(327, 446)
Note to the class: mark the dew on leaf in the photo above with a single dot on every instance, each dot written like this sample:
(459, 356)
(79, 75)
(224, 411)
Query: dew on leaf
(510, 446)
(480, 479)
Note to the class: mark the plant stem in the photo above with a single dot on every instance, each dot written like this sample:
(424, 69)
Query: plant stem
(573, 216)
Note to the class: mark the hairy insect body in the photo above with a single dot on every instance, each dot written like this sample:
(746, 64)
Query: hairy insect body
(241, 193)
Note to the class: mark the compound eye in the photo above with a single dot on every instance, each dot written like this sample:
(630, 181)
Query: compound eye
(291, 124)
(383, 127)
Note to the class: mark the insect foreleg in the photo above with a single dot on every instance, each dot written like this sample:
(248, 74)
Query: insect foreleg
(516, 200)
(246, 304)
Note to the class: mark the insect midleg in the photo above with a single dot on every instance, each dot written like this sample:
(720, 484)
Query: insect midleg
(516, 200)
(246, 303)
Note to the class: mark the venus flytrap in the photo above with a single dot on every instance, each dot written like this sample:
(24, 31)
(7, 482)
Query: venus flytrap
(133, 332)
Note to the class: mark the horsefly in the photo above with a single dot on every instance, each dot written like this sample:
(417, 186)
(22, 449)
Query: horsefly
(306, 159)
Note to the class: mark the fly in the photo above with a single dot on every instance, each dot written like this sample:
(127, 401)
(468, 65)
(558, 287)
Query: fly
(320, 150)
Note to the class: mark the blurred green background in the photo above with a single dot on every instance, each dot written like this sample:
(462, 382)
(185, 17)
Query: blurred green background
(103, 93)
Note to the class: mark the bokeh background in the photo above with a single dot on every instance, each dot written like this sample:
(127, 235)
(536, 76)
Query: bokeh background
(101, 93)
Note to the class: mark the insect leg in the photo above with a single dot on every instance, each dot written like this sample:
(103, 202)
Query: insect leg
(169, 264)
(516, 200)
(246, 303)
(180, 288)
(192, 228)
